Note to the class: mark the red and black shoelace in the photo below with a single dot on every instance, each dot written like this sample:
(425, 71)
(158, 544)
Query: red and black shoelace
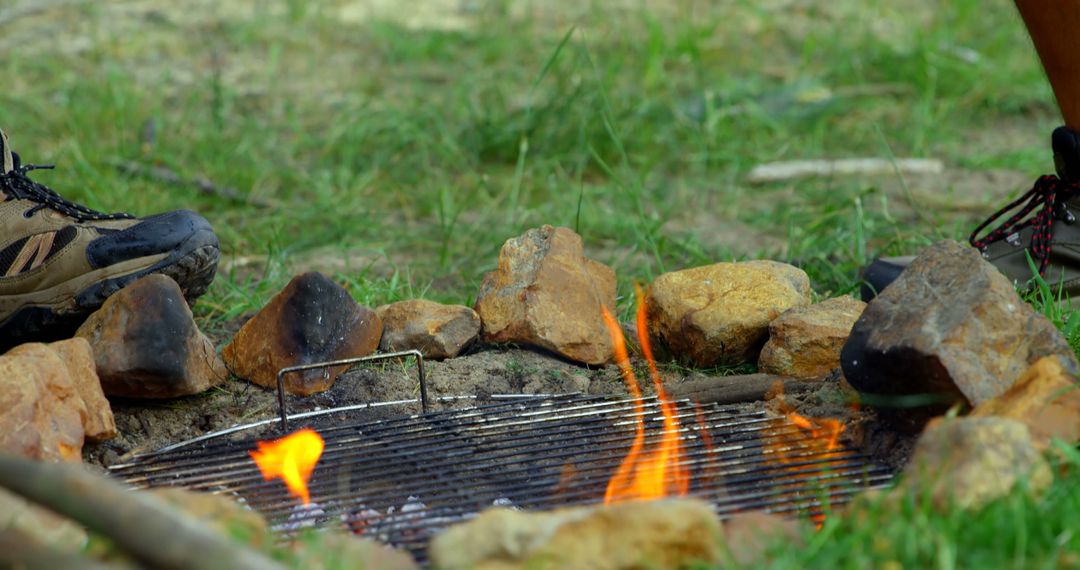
(1050, 192)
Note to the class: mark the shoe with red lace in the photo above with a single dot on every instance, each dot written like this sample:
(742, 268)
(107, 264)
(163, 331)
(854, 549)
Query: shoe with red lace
(1041, 224)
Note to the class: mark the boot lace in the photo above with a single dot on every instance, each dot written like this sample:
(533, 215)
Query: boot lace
(1051, 193)
(17, 185)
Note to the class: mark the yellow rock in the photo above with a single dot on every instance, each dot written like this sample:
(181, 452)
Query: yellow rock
(1046, 398)
(669, 534)
(805, 342)
(720, 313)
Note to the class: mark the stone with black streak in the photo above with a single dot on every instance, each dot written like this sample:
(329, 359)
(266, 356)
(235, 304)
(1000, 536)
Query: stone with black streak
(146, 343)
(311, 320)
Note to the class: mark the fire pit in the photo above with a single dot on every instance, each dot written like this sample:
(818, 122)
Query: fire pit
(402, 480)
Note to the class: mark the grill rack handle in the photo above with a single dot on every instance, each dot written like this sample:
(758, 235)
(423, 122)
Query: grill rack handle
(282, 410)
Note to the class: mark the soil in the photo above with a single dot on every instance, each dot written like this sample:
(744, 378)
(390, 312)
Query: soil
(145, 426)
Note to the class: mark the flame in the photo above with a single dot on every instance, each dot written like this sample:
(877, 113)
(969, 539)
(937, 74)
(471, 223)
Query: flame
(645, 475)
(824, 433)
(291, 458)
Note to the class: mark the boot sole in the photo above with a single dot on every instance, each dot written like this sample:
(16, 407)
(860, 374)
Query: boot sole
(58, 311)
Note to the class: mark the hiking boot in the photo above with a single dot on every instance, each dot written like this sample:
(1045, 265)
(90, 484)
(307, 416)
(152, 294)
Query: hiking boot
(59, 260)
(1053, 247)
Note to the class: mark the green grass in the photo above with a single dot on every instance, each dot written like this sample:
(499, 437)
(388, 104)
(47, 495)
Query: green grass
(1018, 532)
(399, 158)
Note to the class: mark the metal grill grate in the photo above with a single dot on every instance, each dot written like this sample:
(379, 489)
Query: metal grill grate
(402, 480)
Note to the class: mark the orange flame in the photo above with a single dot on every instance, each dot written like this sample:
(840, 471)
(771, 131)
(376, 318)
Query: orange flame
(824, 433)
(660, 472)
(291, 458)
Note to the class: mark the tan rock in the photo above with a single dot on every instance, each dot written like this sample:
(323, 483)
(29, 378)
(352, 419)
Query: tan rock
(99, 422)
(221, 513)
(805, 342)
(337, 550)
(39, 524)
(720, 313)
(311, 320)
(545, 293)
(748, 536)
(1045, 398)
(670, 534)
(436, 330)
(146, 343)
(45, 416)
(968, 462)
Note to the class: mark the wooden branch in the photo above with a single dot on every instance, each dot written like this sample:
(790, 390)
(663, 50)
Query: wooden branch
(143, 525)
(733, 389)
(798, 169)
(204, 185)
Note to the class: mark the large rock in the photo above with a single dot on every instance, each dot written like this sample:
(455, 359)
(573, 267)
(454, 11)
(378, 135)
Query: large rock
(146, 343)
(720, 313)
(670, 534)
(436, 330)
(45, 413)
(805, 342)
(968, 462)
(545, 293)
(311, 320)
(38, 524)
(950, 329)
(1045, 398)
(748, 536)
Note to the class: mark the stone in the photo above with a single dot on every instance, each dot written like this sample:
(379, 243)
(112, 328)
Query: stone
(99, 423)
(749, 536)
(1045, 398)
(720, 314)
(221, 513)
(951, 329)
(146, 343)
(337, 550)
(45, 414)
(438, 331)
(39, 524)
(311, 320)
(670, 534)
(805, 342)
(547, 294)
(968, 462)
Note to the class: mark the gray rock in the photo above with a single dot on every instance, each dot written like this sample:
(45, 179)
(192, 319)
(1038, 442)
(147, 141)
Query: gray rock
(950, 329)
(436, 330)
(146, 343)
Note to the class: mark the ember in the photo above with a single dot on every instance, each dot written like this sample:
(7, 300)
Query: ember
(660, 472)
(292, 459)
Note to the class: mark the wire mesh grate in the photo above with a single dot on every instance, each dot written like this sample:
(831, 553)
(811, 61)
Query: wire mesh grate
(401, 480)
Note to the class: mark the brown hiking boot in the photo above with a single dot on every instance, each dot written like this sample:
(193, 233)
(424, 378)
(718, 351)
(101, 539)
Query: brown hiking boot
(59, 260)
(1053, 247)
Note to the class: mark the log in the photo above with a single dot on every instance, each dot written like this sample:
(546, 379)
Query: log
(143, 525)
(733, 389)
